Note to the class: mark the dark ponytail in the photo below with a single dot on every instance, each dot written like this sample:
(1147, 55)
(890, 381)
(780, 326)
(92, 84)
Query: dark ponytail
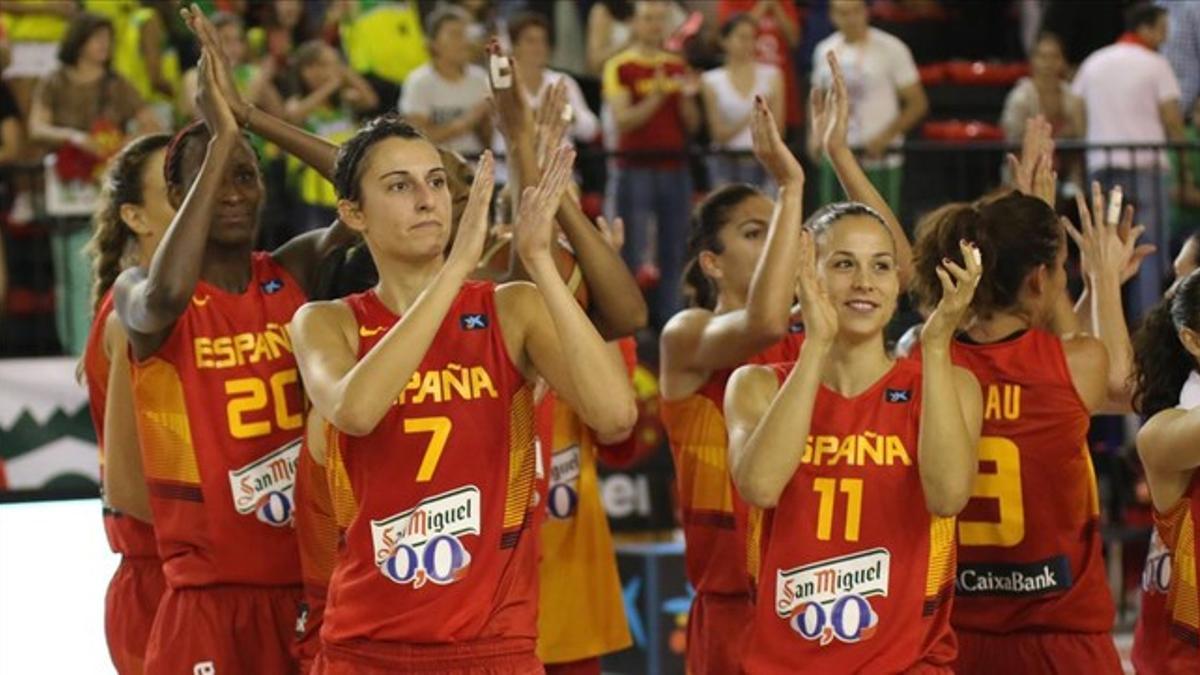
(1161, 363)
(1015, 235)
(707, 220)
(112, 238)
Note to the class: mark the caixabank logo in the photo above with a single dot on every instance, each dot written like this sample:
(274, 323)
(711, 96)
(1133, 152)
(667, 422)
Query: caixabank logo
(831, 599)
(424, 543)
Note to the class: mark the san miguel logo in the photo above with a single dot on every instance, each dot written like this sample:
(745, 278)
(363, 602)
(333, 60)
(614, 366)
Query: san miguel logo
(830, 599)
(424, 543)
(265, 487)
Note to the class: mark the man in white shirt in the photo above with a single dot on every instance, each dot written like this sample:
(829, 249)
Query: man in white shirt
(886, 96)
(1131, 97)
(447, 97)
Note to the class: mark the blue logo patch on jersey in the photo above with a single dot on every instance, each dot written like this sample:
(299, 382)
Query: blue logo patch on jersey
(272, 286)
(898, 395)
(473, 321)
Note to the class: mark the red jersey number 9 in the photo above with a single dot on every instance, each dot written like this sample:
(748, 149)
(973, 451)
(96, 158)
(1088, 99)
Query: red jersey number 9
(1003, 485)
(249, 395)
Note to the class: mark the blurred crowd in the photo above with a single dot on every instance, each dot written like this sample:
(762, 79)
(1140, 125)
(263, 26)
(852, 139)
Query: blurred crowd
(647, 82)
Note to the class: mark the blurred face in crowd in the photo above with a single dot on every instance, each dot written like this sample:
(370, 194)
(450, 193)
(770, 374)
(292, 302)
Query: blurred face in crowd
(739, 44)
(98, 47)
(450, 44)
(649, 24)
(288, 12)
(1156, 34)
(324, 67)
(849, 17)
(233, 41)
(532, 47)
(1048, 61)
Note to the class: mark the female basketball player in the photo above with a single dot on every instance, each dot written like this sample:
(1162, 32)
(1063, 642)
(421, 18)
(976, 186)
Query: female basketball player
(1167, 391)
(216, 387)
(861, 461)
(130, 220)
(439, 567)
(1031, 587)
(741, 314)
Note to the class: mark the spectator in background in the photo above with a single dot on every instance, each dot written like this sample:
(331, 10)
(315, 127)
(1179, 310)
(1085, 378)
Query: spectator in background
(327, 97)
(608, 32)
(384, 43)
(1046, 93)
(253, 80)
(34, 29)
(84, 111)
(143, 55)
(886, 97)
(531, 45)
(1185, 184)
(84, 103)
(778, 25)
(284, 25)
(447, 97)
(729, 93)
(12, 136)
(1131, 96)
(653, 100)
(1182, 48)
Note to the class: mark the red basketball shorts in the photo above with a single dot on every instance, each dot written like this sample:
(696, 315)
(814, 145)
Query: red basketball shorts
(224, 630)
(129, 607)
(718, 626)
(1036, 653)
(511, 656)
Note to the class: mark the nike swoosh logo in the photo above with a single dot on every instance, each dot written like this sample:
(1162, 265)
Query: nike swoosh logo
(200, 302)
(369, 332)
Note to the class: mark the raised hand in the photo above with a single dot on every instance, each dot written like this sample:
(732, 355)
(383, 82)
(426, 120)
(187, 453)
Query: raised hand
(769, 148)
(1045, 178)
(210, 101)
(614, 232)
(1106, 248)
(831, 110)
(820, 316)
(513, 117)
(206, 33)
(473, 226)
(1034, 146)
(958, 289)
(534, 225)
(553, 119)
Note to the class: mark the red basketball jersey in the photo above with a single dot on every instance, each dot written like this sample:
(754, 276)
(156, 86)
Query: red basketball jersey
(1167, 638)
(857, 575)
(317, 536)
(441, 547)
(1029, 554)
(714, 517)
(126, 535)
(220, 418)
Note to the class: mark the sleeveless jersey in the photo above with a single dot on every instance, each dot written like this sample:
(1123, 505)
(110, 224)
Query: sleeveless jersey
(126, 535)
(713, 515)
(317, 536)
(1168, 637)
(578, 568)
(857, 575)
(220, 419)
(440, 547)
(1166, 640)
(1029, 548)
